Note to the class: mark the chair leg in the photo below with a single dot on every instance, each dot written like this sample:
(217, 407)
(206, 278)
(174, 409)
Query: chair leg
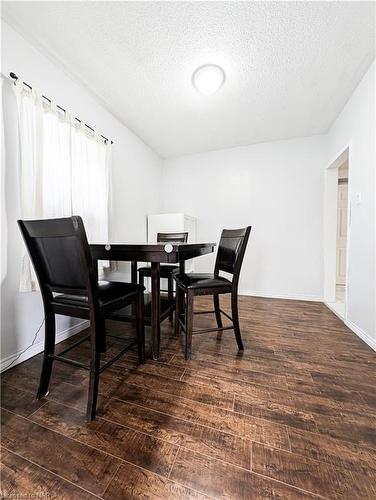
(178, 308)
(235, 319)
(94, 371)
(170, 289)
(217, 311)
(49, 348)
(102, 343)
(189, 325)
(140, 329)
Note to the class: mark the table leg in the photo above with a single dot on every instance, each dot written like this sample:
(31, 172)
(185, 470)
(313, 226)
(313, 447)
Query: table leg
(95, 264)
(182, 271)
(133, 280)
(155, 309)
(134, 271)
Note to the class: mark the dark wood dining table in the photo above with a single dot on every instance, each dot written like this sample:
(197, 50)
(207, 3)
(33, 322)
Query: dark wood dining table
(155, 253)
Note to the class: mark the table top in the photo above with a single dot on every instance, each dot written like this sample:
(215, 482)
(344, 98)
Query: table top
(134, 244)
(150, 252)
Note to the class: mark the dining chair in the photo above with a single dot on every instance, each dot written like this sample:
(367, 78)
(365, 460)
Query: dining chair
(69, 285)
(167, 270)
(231, 249)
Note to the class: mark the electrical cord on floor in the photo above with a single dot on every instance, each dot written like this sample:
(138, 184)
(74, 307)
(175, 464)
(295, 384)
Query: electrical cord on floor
(28, 347)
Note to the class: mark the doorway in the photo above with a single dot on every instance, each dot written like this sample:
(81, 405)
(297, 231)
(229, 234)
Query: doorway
(341, 248)
(336, 233)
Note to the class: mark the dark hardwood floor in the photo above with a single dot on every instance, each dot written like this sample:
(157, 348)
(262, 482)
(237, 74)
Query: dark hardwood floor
(293, 417)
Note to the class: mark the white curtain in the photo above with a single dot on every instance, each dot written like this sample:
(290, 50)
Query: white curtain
(64, 170)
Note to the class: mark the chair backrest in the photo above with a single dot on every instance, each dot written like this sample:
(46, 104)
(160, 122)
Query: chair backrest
(60, 253)
(172, 237)
(231, 249)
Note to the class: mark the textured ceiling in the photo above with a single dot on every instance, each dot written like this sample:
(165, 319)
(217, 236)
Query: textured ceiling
(290, 67)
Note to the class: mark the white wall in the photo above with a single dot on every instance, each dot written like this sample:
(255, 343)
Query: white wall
(275, 187)
(136, 177)
(355, 127)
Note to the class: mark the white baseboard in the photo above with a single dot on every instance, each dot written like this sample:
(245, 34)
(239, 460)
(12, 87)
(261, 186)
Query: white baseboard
(361, 333)
(353, 327)
(253, 293)
(39, 346)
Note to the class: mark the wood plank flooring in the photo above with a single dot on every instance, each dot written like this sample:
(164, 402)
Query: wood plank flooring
(292, 417)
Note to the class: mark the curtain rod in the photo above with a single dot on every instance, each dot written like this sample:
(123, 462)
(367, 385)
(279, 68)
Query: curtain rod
(15, 78)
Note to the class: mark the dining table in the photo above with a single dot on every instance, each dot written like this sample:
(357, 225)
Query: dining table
(156, 309)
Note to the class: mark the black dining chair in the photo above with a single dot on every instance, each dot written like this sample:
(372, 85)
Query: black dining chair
(69, 285)
(167, 270)
(231, 249)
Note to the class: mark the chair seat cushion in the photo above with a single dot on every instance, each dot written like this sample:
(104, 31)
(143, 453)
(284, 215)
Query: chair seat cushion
(166, 270)
(199, 281)
(109, 294)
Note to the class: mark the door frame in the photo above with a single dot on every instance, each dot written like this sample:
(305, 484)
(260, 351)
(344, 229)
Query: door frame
(330, 226)
(343, 196)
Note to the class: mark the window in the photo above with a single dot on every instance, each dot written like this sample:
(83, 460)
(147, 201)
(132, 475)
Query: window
(64, 170)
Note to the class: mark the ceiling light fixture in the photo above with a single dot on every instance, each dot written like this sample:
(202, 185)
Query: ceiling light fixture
(208, 78)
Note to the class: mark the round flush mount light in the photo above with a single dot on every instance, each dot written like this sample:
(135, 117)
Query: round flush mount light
(208, 78)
